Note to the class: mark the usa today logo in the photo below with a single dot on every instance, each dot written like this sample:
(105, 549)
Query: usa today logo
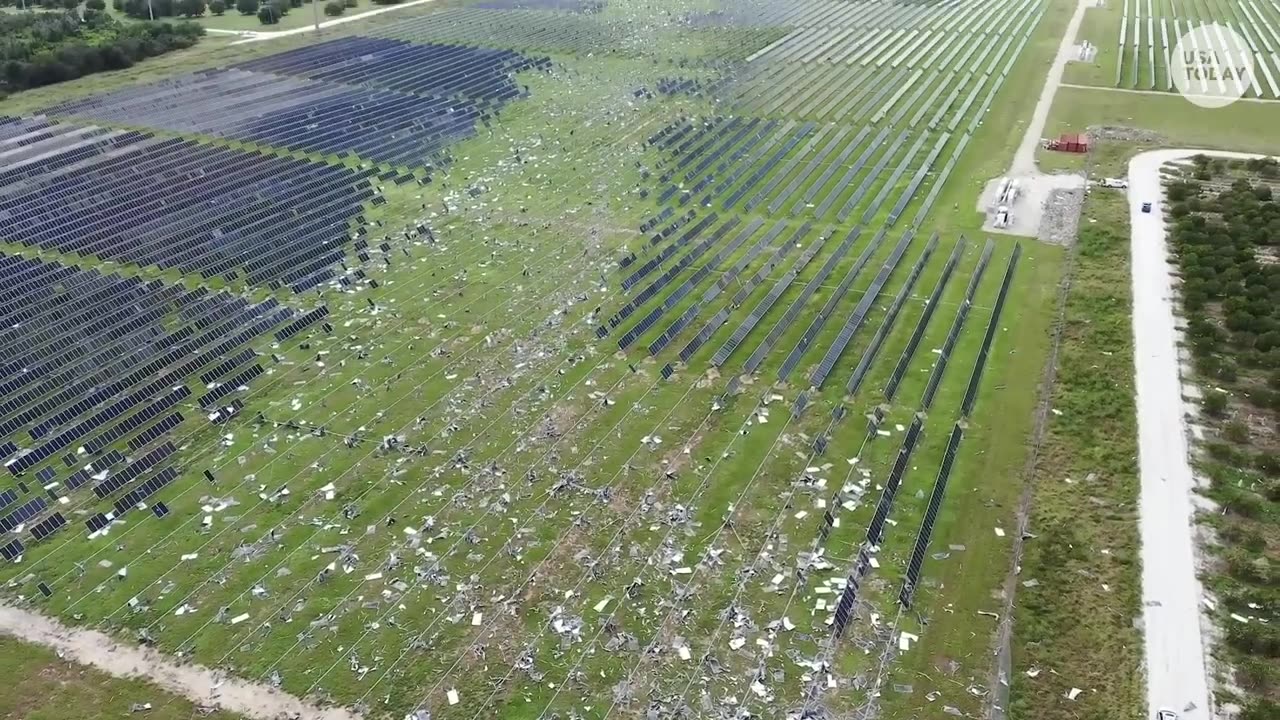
(1212, 66)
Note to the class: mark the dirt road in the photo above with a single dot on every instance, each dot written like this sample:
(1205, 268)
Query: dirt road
(1175, 646)
(199, 684)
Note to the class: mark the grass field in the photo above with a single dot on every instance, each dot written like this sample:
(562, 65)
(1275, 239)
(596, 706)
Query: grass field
(562, 529)
(44, 687)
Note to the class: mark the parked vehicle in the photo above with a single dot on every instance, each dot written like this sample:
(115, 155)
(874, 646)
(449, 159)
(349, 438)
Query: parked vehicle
(1146, 207)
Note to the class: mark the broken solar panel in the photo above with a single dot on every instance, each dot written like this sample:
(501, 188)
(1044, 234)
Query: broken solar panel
(90, 380)
(145, 490)
(24, 513)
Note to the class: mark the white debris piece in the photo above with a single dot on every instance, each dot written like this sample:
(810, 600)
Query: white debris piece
(453, 697)
(999, 532)
(239, 618)
(1073, 693)
(477, 619)
(905, 639)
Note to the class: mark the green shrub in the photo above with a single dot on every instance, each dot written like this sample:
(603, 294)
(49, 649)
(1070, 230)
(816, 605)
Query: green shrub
(1215, 403)
(334, 8)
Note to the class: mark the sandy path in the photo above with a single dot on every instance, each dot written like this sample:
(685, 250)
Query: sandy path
(1175, 647)
(258, 36)
(197, 683)
(1024, 160)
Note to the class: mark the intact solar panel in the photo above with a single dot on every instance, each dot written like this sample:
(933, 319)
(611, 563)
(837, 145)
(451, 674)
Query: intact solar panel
(7, 498)
(48, 526)
(12, 550)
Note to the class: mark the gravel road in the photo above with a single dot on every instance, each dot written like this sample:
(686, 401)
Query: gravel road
(1176, 648)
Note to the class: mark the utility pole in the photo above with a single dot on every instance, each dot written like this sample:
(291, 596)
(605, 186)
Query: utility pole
(151, 11)
(315, 12)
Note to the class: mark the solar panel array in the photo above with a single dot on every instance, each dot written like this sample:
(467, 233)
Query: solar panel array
(78, 381)
(170, 203)
(391, 102)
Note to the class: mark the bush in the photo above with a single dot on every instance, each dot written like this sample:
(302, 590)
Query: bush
(334, 9)
(1236, 431)
(269, 14)
(1215, 403)
(217, 7)
(247, 7)
(350, 3)
(99, 5)
(190, 8)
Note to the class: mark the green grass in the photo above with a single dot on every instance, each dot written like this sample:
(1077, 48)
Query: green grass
(1075, 628)
(41, 686)
(576, 185)
(1242, 126)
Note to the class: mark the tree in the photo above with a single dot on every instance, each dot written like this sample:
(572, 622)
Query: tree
(191, 8)
(99, 5)
(247, 7)
(334, 8)
(269, 14)
(217, 7)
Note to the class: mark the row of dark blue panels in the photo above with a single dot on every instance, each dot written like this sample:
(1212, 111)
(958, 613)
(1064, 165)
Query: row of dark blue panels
(173, 203)
(384, 100)
(290, 113)
(124, 367)
(423, 69)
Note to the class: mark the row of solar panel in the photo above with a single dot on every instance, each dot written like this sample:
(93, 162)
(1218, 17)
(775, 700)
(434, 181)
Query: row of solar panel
(302, 323)
(875, 529)
(971, 392)
(890, 318)
(744, 289)
(852, 323)
(425, 69)
(342, 110)
(765, 303)
(282, 220)
(213, 396)
(957, 325)
(99, 468)
(656, 286)
(925, 533)
(133, 470)
(703, 271)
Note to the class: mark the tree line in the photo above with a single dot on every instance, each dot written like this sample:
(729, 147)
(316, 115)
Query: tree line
(269, 12)
(43, 48)
(1226, 240)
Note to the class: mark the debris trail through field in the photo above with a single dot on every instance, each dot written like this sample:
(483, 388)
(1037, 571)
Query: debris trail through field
(197, 683)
